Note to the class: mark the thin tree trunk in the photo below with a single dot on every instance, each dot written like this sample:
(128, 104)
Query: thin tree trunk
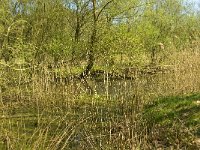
(76, 34)
(153, 56)
(91, 57)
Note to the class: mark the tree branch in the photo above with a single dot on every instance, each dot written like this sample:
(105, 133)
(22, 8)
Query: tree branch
(132, 7)
(103, 8)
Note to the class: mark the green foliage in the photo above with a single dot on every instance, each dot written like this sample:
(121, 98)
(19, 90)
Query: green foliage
(46, 100)
(62, 29)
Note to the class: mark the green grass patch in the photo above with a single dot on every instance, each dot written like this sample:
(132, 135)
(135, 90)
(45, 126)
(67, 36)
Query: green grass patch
(167, 110)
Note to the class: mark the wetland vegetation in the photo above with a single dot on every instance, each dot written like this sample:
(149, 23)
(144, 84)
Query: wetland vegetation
(91, 74)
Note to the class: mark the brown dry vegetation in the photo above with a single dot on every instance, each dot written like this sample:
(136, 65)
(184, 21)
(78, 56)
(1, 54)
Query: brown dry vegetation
(39, 113)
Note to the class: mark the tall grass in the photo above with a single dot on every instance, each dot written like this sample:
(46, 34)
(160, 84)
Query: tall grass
(41, 111)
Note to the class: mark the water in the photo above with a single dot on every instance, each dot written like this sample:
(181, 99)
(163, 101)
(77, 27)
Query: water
(148, 86)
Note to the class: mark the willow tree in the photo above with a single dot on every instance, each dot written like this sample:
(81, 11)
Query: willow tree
(46, 30)
(96, 13)
(160, 22)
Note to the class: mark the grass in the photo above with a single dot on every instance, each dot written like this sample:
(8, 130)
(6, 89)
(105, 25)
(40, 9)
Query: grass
(38, 113)
(91, 122)
(178, 114)
(181, 107)
(59, 126)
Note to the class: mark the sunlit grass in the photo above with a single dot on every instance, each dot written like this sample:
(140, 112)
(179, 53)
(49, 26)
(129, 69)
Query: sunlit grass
(176, 117)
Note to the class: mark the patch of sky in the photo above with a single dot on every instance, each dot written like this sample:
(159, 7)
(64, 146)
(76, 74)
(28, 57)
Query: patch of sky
(194, 3)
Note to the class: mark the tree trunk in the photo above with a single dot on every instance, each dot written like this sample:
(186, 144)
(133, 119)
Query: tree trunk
(91, 58)
(76, 34)
(153, 56)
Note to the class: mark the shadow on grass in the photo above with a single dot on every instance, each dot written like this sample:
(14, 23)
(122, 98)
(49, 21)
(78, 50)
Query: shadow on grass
(167, 110)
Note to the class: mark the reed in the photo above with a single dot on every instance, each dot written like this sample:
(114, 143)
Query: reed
(39, 112)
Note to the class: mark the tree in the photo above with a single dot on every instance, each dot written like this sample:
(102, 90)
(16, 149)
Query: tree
(93, 37)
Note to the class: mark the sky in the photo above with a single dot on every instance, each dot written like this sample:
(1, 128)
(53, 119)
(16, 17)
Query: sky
(196, 2)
